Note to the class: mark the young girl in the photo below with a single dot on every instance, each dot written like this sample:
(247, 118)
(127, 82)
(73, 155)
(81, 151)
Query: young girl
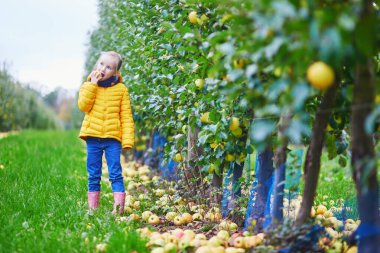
(107, 126)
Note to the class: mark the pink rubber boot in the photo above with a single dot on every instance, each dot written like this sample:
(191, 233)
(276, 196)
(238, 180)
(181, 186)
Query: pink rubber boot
(93, 199)
(119, 201)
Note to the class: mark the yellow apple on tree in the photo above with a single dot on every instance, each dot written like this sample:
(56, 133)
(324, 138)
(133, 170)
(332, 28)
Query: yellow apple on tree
(178, 158)
(193, 17)
(199, 83)
(184, 129)
(320, 75)
(239, 63)
(237, 132)
(205, 118)
(230, 157)
(211, 169)
(234, 123)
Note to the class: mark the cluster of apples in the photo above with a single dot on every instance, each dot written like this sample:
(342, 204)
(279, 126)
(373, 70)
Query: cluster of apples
(179, 239)
(334, 227)
(178, 219)
(131, 204)
(132, 171)
(336, 246)
(292, 207)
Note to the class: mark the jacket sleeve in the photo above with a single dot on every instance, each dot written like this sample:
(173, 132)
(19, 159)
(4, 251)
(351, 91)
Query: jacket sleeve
(127, 124)
(87, 95)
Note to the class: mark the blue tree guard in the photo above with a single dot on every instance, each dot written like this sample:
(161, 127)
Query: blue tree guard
(276, 208)
(231, 190)
(226, 192)
(292, 181)
(168, 169)
(261, 185)
(293, 178)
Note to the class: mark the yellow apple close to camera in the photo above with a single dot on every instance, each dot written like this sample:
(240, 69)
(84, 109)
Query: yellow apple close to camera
(232, 226)
(153, 219)
(223, 234)
(187, 217)
(170, 216)
(178, 220)
(234, 123)
(320, 75)
(239, 242)
(321, 209)
(197, 216)
(145, 215)
(193, 17)
(199, 83)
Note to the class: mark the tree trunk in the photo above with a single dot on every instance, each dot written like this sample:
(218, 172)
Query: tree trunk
(314, 152)
(277, 213)
(232, 191)
(279, 160)
(260, 188)
(192, 155)
(148, 151)
(363, 159)
(216, 193)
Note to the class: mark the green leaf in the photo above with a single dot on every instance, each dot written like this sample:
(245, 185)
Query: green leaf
(372, 120)
(261, 129)
(203, 139)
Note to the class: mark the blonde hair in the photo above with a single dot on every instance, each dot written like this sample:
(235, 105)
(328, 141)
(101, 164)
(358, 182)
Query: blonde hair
(113, 54)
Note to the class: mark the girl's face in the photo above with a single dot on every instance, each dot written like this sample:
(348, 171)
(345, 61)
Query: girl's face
(107, 65)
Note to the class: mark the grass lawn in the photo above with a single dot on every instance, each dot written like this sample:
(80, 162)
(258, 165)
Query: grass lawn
(43, 202)
(335, 185)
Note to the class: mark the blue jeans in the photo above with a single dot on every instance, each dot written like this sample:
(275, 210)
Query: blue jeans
(112, 149)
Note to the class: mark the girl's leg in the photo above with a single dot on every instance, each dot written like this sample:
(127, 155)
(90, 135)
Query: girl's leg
(94, 164)
(94, 169)
(113, 151)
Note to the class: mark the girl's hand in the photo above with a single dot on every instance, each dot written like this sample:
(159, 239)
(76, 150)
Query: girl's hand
(95, 76)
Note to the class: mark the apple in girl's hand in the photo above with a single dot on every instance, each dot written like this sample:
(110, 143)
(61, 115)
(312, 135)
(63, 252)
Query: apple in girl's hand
(98, 74)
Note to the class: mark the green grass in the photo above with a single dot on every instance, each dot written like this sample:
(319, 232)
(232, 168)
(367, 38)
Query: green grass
(43, 202)
(335, 185)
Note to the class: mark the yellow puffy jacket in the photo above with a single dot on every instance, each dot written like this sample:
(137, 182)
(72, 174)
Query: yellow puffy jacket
(108, 112)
